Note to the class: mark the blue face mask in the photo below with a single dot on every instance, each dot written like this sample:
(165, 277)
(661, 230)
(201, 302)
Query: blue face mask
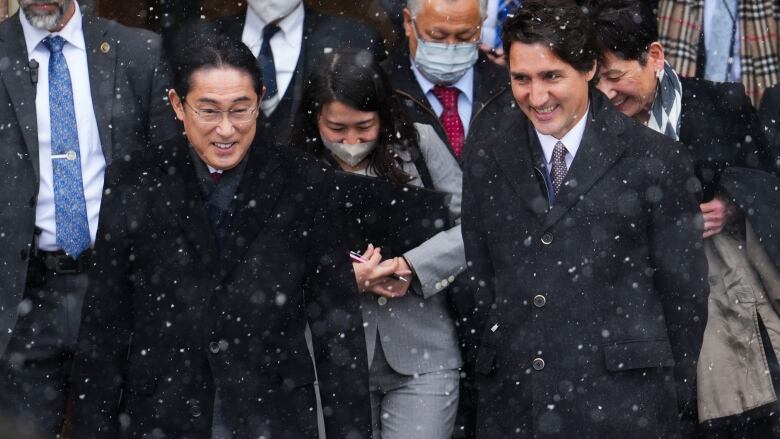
(443, 63)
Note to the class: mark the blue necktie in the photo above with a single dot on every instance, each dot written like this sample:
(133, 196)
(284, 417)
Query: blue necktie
(70, 207)
(504, 8)
(267, 61)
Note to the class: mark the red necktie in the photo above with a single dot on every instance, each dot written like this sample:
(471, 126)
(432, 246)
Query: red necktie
(448, 96)
(215, 176)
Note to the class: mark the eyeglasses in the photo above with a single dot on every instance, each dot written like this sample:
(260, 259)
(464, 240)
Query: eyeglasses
(235, 115)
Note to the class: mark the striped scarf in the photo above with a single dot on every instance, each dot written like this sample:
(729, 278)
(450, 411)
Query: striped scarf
(667, 106)
(680, 25)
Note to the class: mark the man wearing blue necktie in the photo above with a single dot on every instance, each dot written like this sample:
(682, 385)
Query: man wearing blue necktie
(76, 93)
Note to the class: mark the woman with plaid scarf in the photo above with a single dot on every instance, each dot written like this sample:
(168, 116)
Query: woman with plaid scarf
(737, 365)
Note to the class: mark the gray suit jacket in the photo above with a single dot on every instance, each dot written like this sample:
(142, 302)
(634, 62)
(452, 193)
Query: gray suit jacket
(416, 331)
(128, 80)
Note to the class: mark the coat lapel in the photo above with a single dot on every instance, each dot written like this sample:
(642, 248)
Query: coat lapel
(15, 74)
(523, 166)
(183, 197)
(101, 58)
(600, 148)
(260, 187)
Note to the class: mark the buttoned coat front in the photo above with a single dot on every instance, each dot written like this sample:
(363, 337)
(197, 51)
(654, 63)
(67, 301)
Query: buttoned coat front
(592, 311)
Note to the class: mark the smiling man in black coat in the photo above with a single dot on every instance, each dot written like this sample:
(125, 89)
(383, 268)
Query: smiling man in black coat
(214, 252)
(583, 233)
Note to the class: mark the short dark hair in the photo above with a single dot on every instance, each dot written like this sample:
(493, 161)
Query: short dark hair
(354, 78)
(559, 24)
(211, 50)
(626, 28)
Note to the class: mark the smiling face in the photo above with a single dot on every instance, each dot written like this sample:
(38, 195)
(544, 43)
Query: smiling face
(51, 15)
(222, 143)
(630, 85)
(551, 93)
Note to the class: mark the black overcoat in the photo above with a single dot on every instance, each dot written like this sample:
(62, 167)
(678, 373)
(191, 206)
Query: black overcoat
(592, 312)
(168, 318)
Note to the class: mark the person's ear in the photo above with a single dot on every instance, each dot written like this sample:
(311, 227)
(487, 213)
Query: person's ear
(176, 104)
(656, 55)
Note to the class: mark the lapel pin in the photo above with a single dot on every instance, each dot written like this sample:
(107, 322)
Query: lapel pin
(105, 47)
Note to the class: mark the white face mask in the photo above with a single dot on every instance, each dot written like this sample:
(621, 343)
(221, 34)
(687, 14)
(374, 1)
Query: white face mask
(351, 154)
(443, 63)
(272, 10)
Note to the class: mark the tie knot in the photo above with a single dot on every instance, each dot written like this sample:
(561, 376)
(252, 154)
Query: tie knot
(269, 31)
(559, 149)
(448, 96)
(216, 176)
(54, 43)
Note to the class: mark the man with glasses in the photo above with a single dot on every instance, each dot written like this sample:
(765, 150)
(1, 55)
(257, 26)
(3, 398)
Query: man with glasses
(441, 74)
(216, 250)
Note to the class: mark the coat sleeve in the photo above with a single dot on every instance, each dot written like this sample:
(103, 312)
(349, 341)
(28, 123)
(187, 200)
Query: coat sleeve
(680, 265)
(105, 332)
(439, 259)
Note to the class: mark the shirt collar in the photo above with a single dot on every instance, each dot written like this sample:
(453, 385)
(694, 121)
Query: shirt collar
(253, 27)
(465, 84)
(570, 140)
(71, 33)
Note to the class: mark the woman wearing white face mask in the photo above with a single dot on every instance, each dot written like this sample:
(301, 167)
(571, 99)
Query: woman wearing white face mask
(355, 123)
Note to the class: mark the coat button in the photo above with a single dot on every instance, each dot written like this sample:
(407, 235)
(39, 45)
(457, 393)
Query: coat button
(214, 347)
(547, 238)
(195, 410)
(539, 300)
(382, 300)
(538, 364)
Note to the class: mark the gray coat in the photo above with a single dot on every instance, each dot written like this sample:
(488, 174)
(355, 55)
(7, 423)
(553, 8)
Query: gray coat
(416, 331)
(124, 63)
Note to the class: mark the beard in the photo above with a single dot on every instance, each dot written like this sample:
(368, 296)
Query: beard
(45, 21)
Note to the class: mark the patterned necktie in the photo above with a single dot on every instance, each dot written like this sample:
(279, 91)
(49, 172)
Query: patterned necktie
(453, 126)
(504, 8)
(721, 40)
(558, 166)
(70, 207)
(267, 61)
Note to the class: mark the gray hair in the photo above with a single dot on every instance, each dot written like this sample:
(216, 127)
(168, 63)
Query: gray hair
(415, 6)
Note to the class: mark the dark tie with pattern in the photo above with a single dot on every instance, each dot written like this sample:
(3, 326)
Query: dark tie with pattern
(267, 61)
(453, 126)
(70, 206)
(558, 166)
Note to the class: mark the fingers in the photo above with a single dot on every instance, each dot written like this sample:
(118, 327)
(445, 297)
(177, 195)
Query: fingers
(391, 288)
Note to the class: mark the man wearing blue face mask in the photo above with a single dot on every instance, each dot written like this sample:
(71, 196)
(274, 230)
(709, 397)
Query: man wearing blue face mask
(441, 74)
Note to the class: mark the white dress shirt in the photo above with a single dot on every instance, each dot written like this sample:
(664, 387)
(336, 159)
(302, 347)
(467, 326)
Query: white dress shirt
(570, 140)
(93, 164)
(465, 99)
(285, 44)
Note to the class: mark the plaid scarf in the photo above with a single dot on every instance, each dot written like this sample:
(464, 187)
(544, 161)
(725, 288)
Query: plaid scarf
(680, 25)
(667, 106)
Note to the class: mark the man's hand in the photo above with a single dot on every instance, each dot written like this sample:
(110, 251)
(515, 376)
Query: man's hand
(717, 213)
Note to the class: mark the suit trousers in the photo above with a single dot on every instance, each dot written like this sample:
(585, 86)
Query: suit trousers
(411, 406)
(35, 370)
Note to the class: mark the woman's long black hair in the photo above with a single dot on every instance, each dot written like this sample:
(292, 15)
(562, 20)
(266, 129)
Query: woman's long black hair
(355, 79)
